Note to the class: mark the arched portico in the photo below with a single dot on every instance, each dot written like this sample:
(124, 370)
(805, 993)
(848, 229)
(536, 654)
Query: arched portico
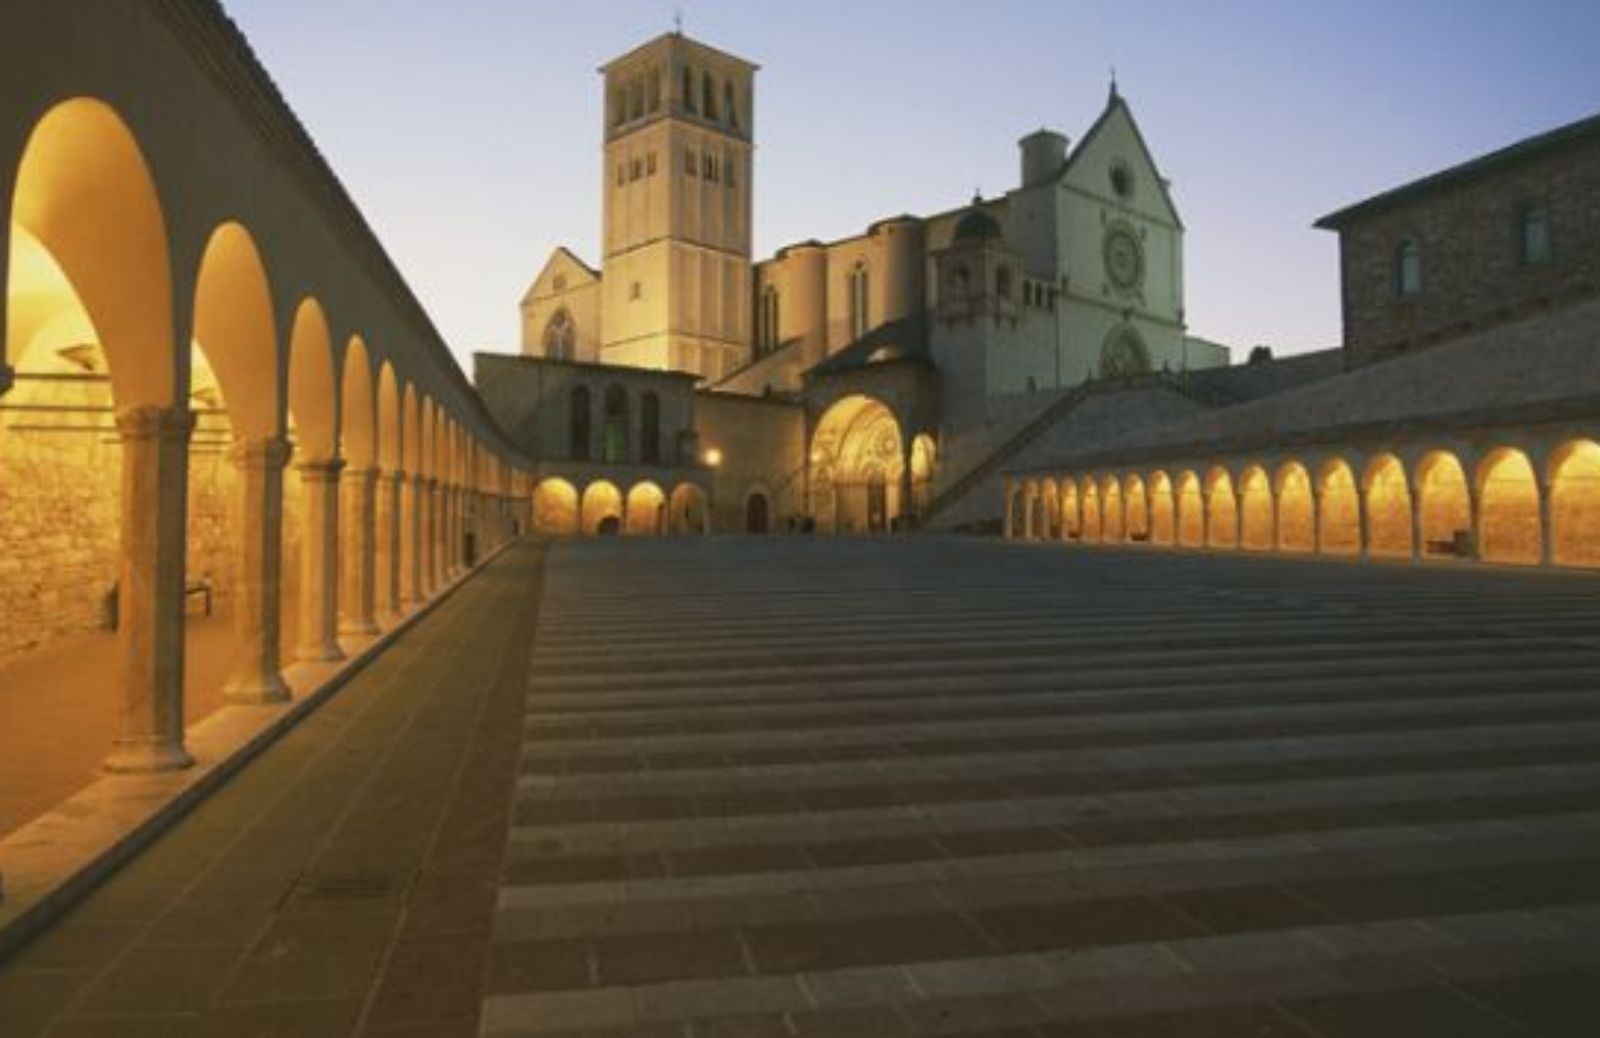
(857, 464)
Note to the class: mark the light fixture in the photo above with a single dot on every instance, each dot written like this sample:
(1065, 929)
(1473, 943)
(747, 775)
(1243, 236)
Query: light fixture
(713, 457)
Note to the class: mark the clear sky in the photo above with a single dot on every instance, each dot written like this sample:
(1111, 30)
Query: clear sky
(469, 131)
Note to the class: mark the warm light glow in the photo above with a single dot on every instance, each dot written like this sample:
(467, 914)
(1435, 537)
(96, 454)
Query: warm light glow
(713, 457)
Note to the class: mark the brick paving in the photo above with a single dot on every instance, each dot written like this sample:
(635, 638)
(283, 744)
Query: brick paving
(894, 788)
(935, 787)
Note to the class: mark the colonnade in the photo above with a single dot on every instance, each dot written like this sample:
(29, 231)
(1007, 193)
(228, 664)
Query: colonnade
(1519, 499)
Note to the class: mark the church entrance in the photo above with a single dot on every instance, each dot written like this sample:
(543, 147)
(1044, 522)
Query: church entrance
(858, 463)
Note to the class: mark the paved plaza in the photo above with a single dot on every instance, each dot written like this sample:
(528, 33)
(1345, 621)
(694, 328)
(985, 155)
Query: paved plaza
(895, 787)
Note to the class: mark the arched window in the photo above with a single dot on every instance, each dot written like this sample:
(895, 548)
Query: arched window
(619, 107)
(688, 88)
(1407, 268)
(614, 441)
(767, 334)
(961, 283)
(578, 417)
(858, 301)
(708, 96)
(653, 89)
(635, 99)
(650, 429)
(1002, 283)
(728, 107)
(1124, 354)
(560, 335)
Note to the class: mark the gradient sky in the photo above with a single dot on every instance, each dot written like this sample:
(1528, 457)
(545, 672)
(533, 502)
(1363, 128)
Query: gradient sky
(469, 131)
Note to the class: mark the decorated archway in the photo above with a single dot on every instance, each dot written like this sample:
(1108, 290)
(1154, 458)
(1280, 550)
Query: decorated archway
(857, 462)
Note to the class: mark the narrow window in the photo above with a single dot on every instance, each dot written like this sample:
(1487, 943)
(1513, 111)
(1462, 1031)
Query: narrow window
(635, 99)
(635, 169)
(727, 169)
(578, 443)
(688, 89)
(1535, 226)
(622, 174)
(1002, 283)
(650, 429)
(727, 104)
(559, 335)
(650, 164)
(1408, 268)
(635, 290)
(858, 301)
(654, 89)
(709, 96)
(767, 332)
(690, 166)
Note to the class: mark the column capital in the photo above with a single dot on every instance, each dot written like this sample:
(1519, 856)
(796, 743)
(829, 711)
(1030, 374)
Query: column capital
(320, 470)
(267, 453)
(396, 476)
(369, 473)
(148, 422)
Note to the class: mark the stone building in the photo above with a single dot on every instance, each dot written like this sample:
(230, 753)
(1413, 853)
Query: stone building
(911, 357)
(1460, 420)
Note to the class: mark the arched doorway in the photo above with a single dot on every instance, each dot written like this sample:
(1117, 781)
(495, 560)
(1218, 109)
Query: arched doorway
(602, 508)
(857, 462)
(1340, 522)
(647, 510)
(755, 512)
(1296, 529)
(1444, 508)
(555, 507)
(1575, 504)
(688, 511)
(1222, 510)
(1388, 508)
(1508, 510)
(1162, 521)
(1255, 510)
(1191, 511)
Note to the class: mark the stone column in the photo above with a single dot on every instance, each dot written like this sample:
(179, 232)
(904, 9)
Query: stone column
(1416, 521)
(319, 555)
(410, 539)
(1546, 522)
(1277, 525)
(430, 537)
(155, 461)
(1475, 503)
(1205, 518)
(257, 619)
(391, 485)
(359, 565)
(1316, 519)
(1363, 525)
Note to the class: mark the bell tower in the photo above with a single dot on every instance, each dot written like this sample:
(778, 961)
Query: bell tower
(675, 290)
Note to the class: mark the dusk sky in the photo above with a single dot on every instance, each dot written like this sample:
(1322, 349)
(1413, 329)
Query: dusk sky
(469, 132)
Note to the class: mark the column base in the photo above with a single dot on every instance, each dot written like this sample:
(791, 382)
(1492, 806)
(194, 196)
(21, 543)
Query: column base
(256, 691)
(323, 652)
(360, 628)
(144, 757)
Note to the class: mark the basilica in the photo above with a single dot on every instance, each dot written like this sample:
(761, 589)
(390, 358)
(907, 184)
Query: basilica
(857, 384)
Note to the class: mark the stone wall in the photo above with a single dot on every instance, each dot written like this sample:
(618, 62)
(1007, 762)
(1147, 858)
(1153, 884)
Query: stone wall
(1469, 237)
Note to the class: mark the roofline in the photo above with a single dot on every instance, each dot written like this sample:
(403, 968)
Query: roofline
(1518, 151)
(647, 44)
(591, 365)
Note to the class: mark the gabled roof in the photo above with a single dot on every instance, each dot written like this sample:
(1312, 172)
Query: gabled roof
(1116, 103)
(1582, 131)
(559, 253)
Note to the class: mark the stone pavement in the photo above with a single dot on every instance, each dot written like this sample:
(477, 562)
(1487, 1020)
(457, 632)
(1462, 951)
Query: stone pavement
(933, 787)
(890, 788)
(342, 883)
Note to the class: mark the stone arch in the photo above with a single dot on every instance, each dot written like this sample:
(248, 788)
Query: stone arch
(1388, 504)
(390, 428)
(358, 446)
(555, 507)
(1444, 505)
(233, 328)
(1016, 512)
(1340, 506)
(1222, 509)
(313, 391)
(857, 461)
(1071, 514)
(1191, 510)
(89, 293)
(1093, 525)
(1049, 504)
(924, 460)
(85, 196)
(646, 511)
(1163, 517)
(1256, 515)
(1113, 524)
(1124, 354)
(1574, 481)
(602, 508)
(688, 510)
(1296, 509)
(358, 425)
(1508, 509)
(1035, 510)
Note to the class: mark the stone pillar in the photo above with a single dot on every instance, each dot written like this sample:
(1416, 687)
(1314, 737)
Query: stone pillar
(1363, 524)
(1316, 519)
(390, 509)
(257, 616)
(411, 539)
(155, 461)
(319, 554)
(1205, 518)
(1475, 503)
(430, 537)
(1546, 524)
(1417, 546)
(1277, 526)
(359, 564)
(908, 506)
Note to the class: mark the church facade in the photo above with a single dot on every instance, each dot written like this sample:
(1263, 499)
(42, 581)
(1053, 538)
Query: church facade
(850, 384)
